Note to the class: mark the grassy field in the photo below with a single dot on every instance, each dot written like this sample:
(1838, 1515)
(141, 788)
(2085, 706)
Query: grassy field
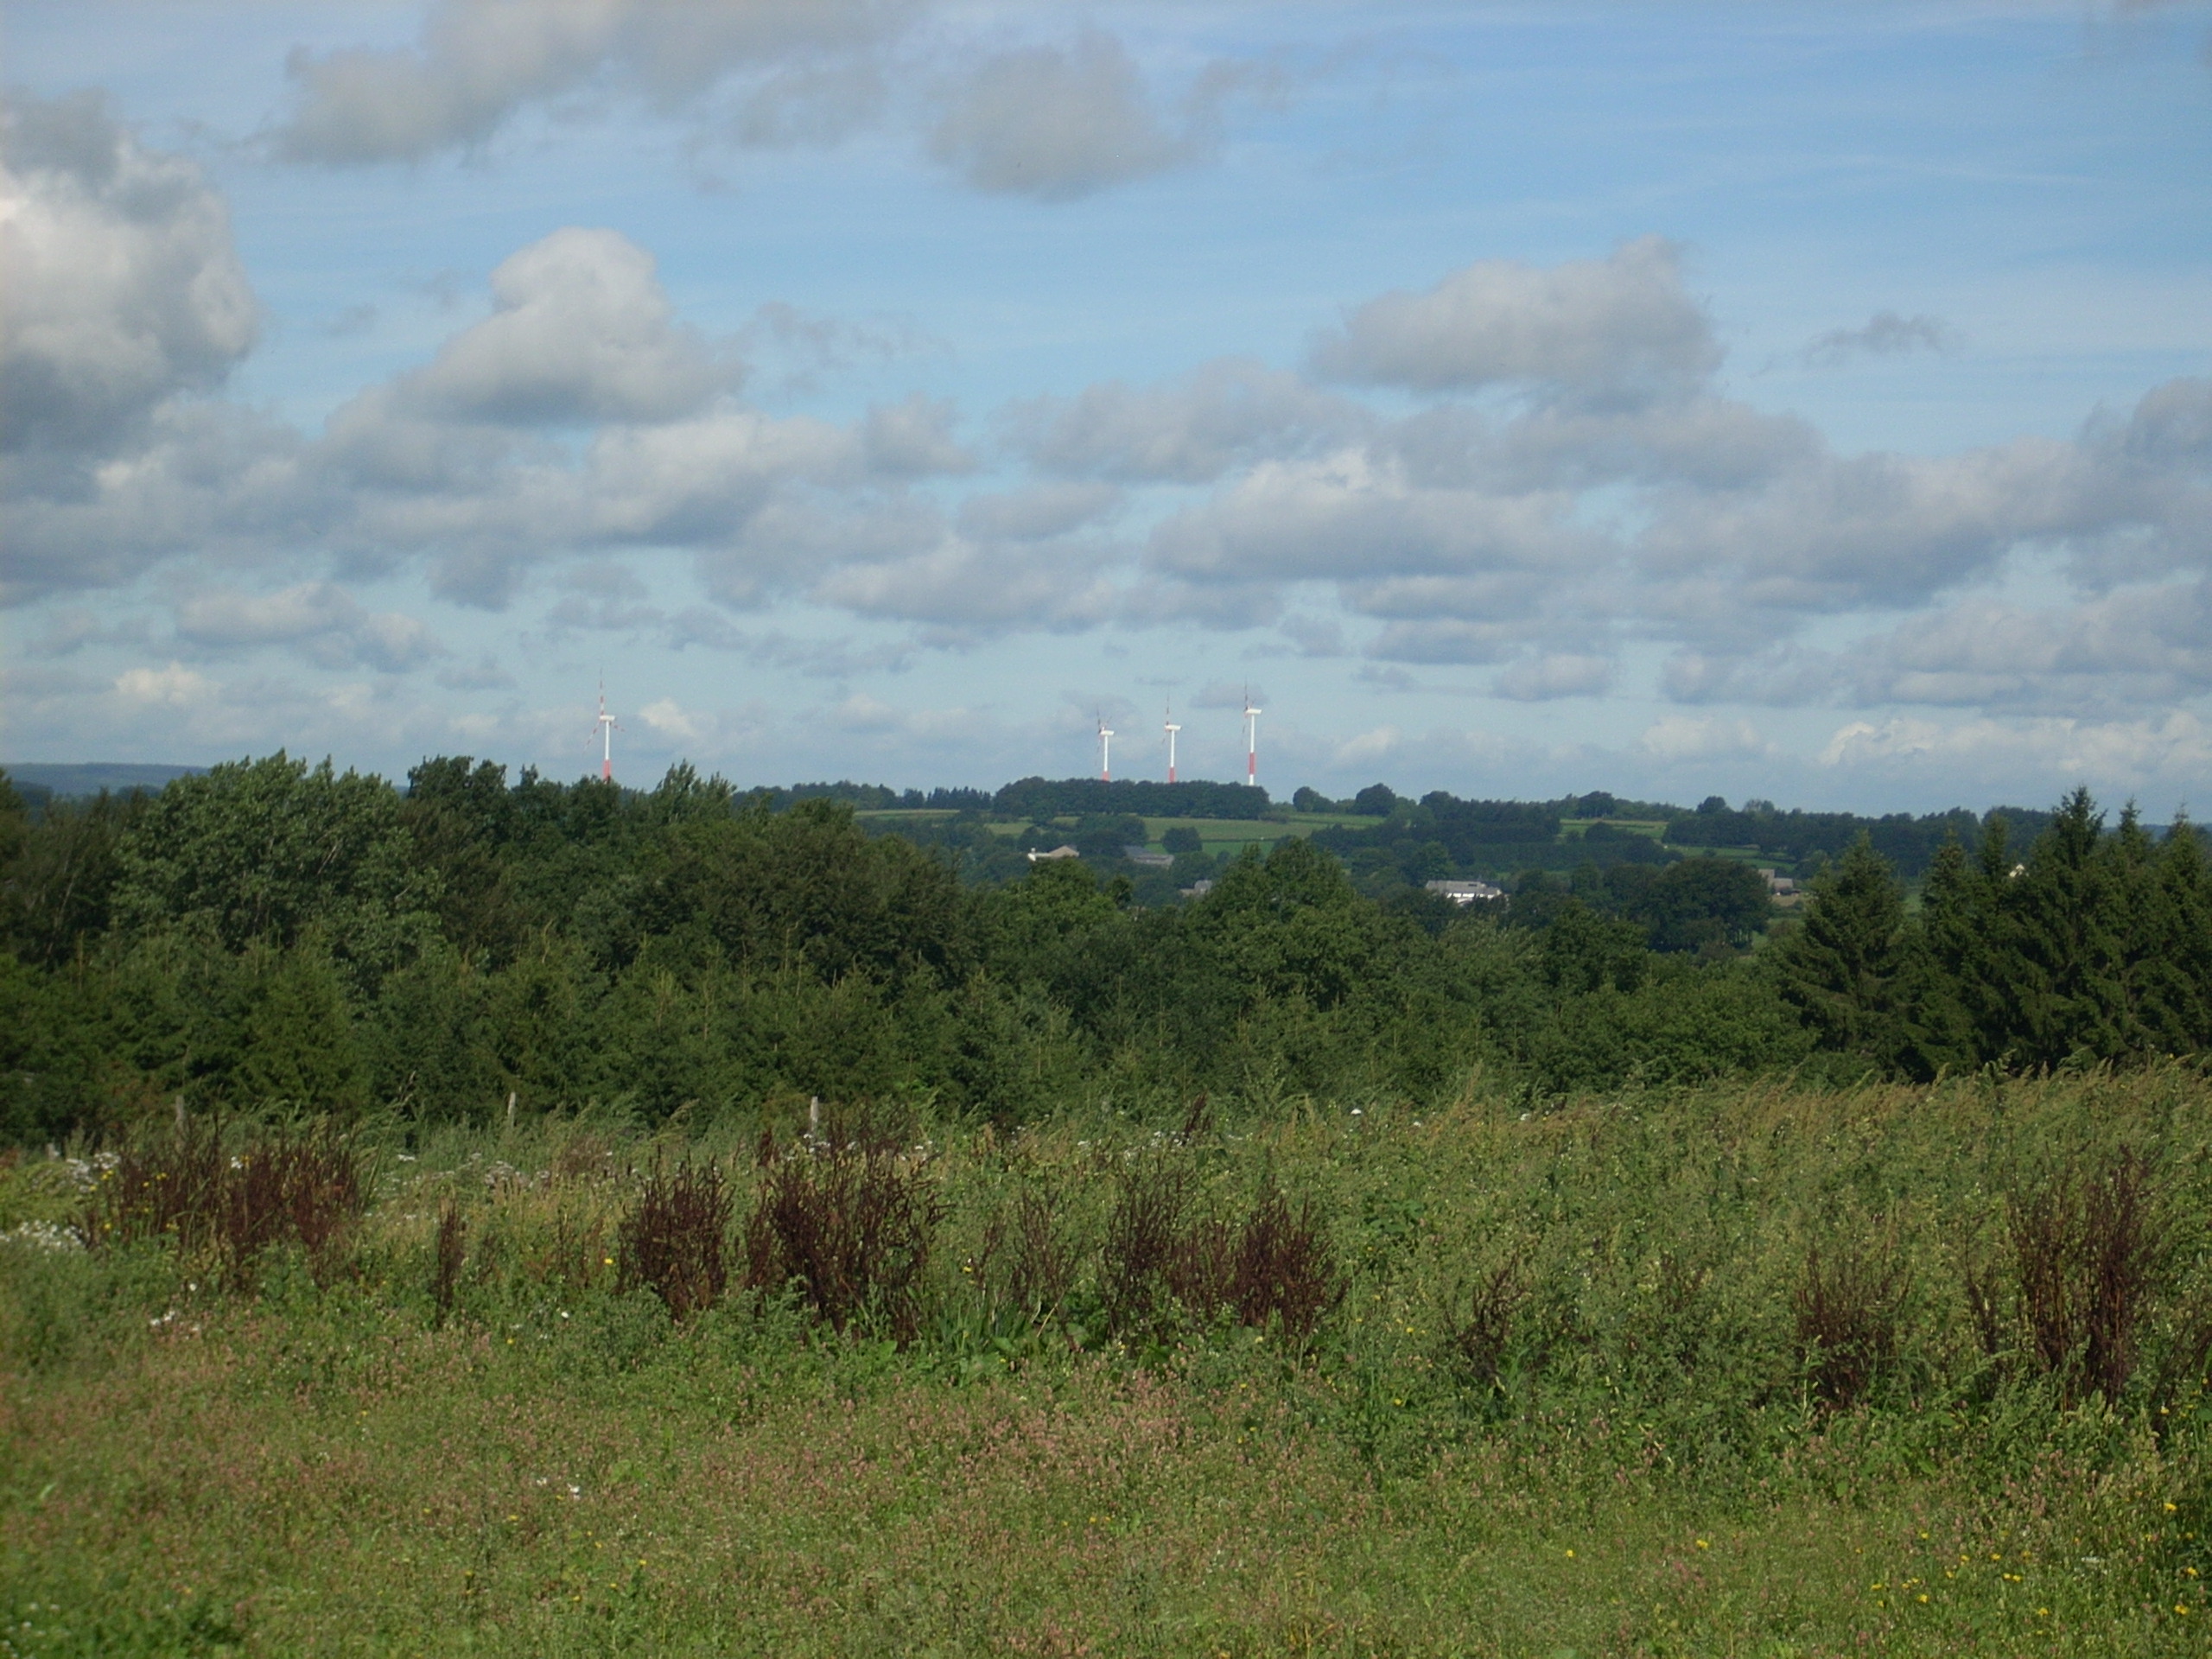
(1756, 1372)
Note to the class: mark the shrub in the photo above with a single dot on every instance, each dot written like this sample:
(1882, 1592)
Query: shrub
(306, 1188)
(451, 1249)
(1024, 1260)
(1847, 1308)
(2086, 1257)
(673, 1242)
(1479, 1343)
(852, 1226)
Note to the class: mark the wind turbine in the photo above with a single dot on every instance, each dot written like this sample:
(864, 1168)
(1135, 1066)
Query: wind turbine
(1105, 751)
(1251, 741)
(607, 726)
(1172, 728)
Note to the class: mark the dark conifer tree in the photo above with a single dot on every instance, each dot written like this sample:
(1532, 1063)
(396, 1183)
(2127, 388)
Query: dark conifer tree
(1843, 970)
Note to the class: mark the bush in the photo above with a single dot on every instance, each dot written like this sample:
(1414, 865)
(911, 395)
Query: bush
(672, 1244)
(1847, 1308)
(306, 1188)
(852, 1226)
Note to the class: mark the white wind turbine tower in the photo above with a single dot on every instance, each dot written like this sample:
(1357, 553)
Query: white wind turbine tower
(1171, 728)
(1105, 751)
(1251, 741)
(605, 726)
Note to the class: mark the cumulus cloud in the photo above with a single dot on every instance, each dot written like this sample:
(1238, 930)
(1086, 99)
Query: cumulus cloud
(2138, 645)
(1354, 514)
(968, 589)
(1884, 334)
(1191, 430)
(1555, 674)
(1685, 737)
(1056, 123)
(2177, 744)
(479, 61)
(123, 288)
(914, 438)
(1375, 744)
(175, 684)
(1840, 532)
(581, 332)
(1035, 512)
(323, 622)
(1623, 323)
(669, 718)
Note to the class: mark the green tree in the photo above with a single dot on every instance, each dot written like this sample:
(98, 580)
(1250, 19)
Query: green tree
(1844, 968)
(267, 850)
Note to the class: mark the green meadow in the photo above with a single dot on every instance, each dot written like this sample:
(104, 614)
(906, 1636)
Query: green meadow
(1747, 1368)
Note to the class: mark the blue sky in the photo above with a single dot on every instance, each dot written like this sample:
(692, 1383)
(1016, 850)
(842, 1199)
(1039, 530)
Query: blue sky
(1806, 402)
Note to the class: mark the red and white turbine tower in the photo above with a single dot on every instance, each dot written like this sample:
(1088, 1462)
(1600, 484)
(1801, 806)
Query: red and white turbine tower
(1251, 741)
(1171, 728)
(1105, 751)
(605, 726)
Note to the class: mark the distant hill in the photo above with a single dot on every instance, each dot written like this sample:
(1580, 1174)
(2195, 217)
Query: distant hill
(61, 782)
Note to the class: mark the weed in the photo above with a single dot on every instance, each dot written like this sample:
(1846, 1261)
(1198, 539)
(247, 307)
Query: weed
(1847, 1308)
(1479, 1342)
(2085, 1255)
(1284, 1270)
(673, 1242)
(445, 1264)
(852, 1226)
(308, 1188)
(1026, 1261)
(583, 1156)
(1144, 1239)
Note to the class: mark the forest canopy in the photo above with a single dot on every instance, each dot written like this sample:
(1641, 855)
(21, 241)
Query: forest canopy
(270, 936)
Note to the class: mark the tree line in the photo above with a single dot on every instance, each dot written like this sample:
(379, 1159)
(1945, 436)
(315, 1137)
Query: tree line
(271, 936)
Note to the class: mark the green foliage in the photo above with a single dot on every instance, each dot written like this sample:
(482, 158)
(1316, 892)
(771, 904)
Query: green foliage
(271, 937)
(1843, 970)
(1747, 1369)
(264, 850)
(1039, 798)
(2090, 947)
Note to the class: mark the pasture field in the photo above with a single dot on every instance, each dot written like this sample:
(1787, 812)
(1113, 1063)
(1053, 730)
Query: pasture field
(1756, 1369)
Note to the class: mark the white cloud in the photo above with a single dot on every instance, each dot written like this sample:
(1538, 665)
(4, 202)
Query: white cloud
(1370, 747)
(1683, 737)
(479, 61)
(175, 684)
(122, 287)
(1555, 674)
(1884, 334)
(1056, 124)
(667, 717)
(1190, 430)
(1622, 323)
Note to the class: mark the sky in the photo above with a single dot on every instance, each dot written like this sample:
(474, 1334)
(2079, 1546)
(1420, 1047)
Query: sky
(1786, 400)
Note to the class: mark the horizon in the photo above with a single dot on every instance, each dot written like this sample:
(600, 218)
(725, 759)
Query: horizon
(13, 771)
(1674, 399)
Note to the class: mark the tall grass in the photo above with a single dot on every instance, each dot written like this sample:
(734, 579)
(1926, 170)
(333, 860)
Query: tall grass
(1354, 1382)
